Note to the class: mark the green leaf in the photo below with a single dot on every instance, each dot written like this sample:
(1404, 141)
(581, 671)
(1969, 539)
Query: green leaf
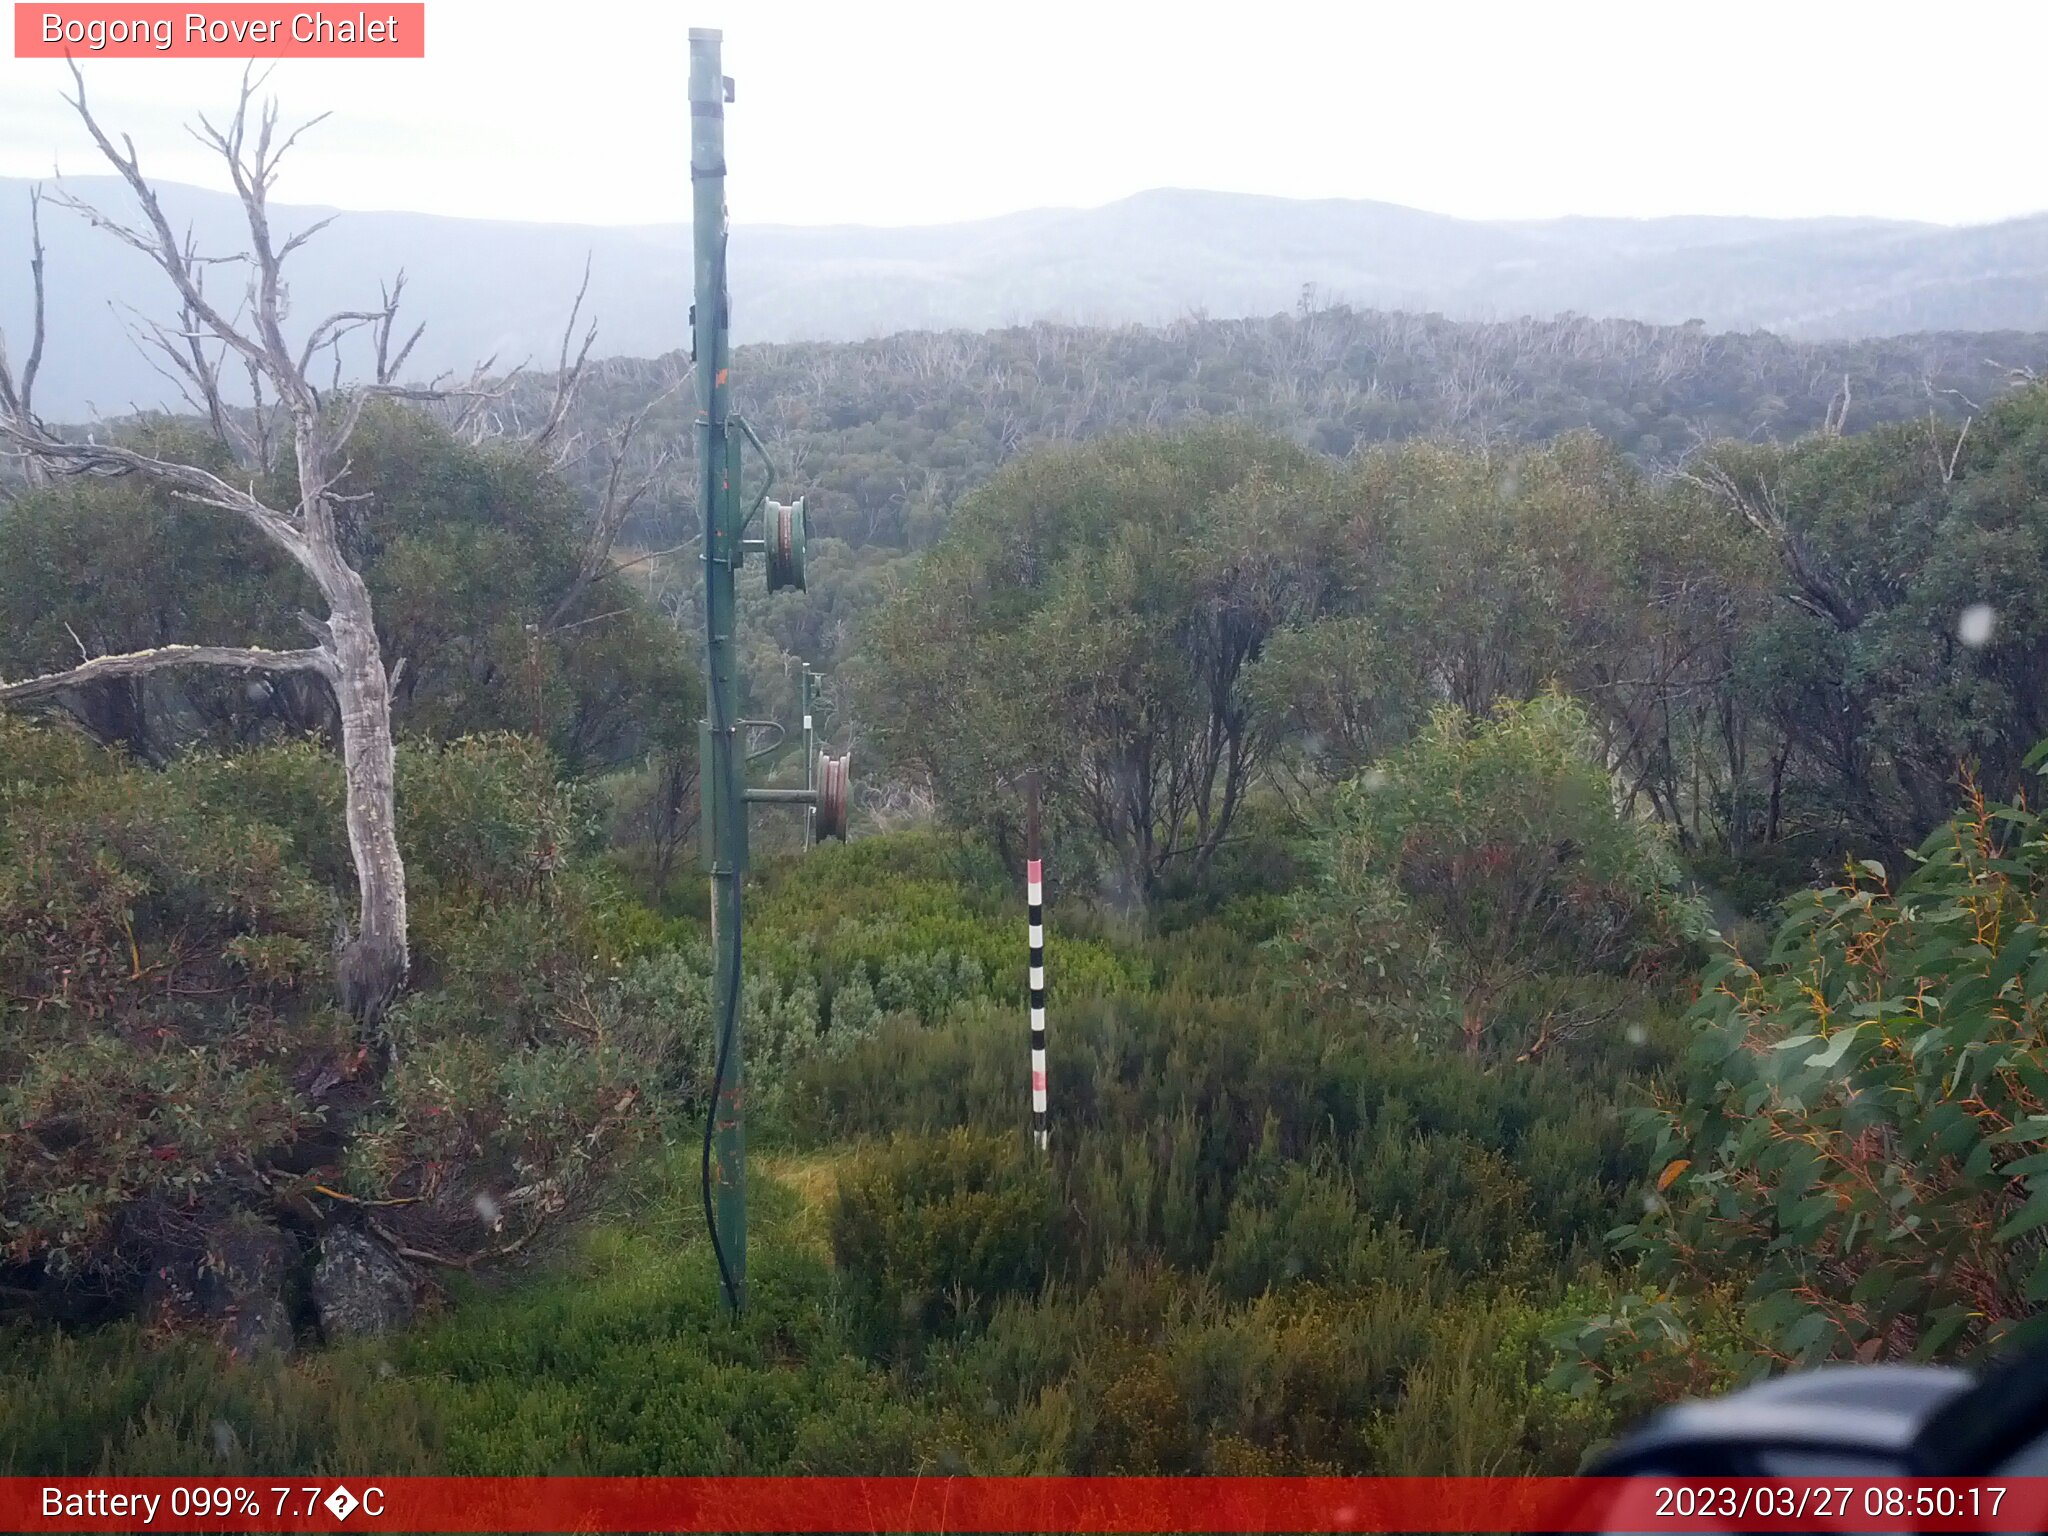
(2037, 1282)
(1838, 1046)
(2031, 1215)
(1929, 1040)
(1803, 1335)
(1948, 1322)
(1979, 1161)
(2018, 947)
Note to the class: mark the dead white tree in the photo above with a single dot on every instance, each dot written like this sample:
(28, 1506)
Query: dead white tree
(1838, 410)
(17, 395)
(373, 957)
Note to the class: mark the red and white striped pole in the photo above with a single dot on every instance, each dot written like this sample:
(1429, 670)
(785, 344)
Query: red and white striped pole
(1034, 898)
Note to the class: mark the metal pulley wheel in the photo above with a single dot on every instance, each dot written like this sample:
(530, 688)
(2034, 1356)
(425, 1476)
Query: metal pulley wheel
(835, 776)
(784, 536)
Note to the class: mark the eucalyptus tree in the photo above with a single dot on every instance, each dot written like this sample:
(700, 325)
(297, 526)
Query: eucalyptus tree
(1097, 613)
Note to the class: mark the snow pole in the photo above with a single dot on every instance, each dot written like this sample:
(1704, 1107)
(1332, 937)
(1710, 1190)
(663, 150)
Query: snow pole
(1034, 900)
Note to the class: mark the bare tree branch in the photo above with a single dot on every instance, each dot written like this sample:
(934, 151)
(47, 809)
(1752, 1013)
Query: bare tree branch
(1838, 411)
(136, 663)
(196, 377)
(329, 332)
(1948, 465)
(388, 364)
(1972, 406)
(109, 460)
(612, 511)
(568, 376)
(1815, 588)
(162, 245)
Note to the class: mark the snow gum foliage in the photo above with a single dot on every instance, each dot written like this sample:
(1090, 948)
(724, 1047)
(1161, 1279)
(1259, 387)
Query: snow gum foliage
(1860, 1143)
(1458, 876)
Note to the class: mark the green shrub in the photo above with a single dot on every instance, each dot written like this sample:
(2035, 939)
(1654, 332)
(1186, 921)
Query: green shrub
(171, 1055)
(1482, 856)
(1303, 1225)
(931, 1233)
(162, 987)
(1619, 1353)
(113, 1400)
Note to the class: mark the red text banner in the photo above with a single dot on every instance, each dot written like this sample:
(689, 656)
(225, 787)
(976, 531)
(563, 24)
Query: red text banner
(238, 31)
(1021, 1504)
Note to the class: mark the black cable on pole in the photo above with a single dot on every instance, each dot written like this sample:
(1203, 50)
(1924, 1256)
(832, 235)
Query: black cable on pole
(727, 1025)
(729, 1015)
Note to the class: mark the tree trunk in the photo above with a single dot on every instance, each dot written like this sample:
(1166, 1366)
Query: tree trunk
(373, 963)
(1777, 795)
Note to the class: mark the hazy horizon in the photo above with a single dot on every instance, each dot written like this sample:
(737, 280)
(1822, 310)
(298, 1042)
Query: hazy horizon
(904, 115)
(282, 199)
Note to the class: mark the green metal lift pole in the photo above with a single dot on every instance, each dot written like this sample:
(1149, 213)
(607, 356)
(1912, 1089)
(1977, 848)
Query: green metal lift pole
(726, 840)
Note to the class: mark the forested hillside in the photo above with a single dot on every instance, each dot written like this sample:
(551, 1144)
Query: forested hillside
(1720, 455)
(500, 288)
(885, 435)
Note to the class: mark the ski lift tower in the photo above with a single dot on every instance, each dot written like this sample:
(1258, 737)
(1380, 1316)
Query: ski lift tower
(721, 746)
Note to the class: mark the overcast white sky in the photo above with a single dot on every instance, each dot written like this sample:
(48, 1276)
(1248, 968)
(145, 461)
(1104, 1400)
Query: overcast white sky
(892, 112)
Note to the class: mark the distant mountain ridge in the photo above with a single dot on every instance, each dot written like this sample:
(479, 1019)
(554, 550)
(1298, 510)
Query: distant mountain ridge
(497, 287)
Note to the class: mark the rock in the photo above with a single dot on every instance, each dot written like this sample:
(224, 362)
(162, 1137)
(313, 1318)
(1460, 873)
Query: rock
(233, 1276)
(246, 1262)
(260, 1327)
(360, 1289)
(170, 1289)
